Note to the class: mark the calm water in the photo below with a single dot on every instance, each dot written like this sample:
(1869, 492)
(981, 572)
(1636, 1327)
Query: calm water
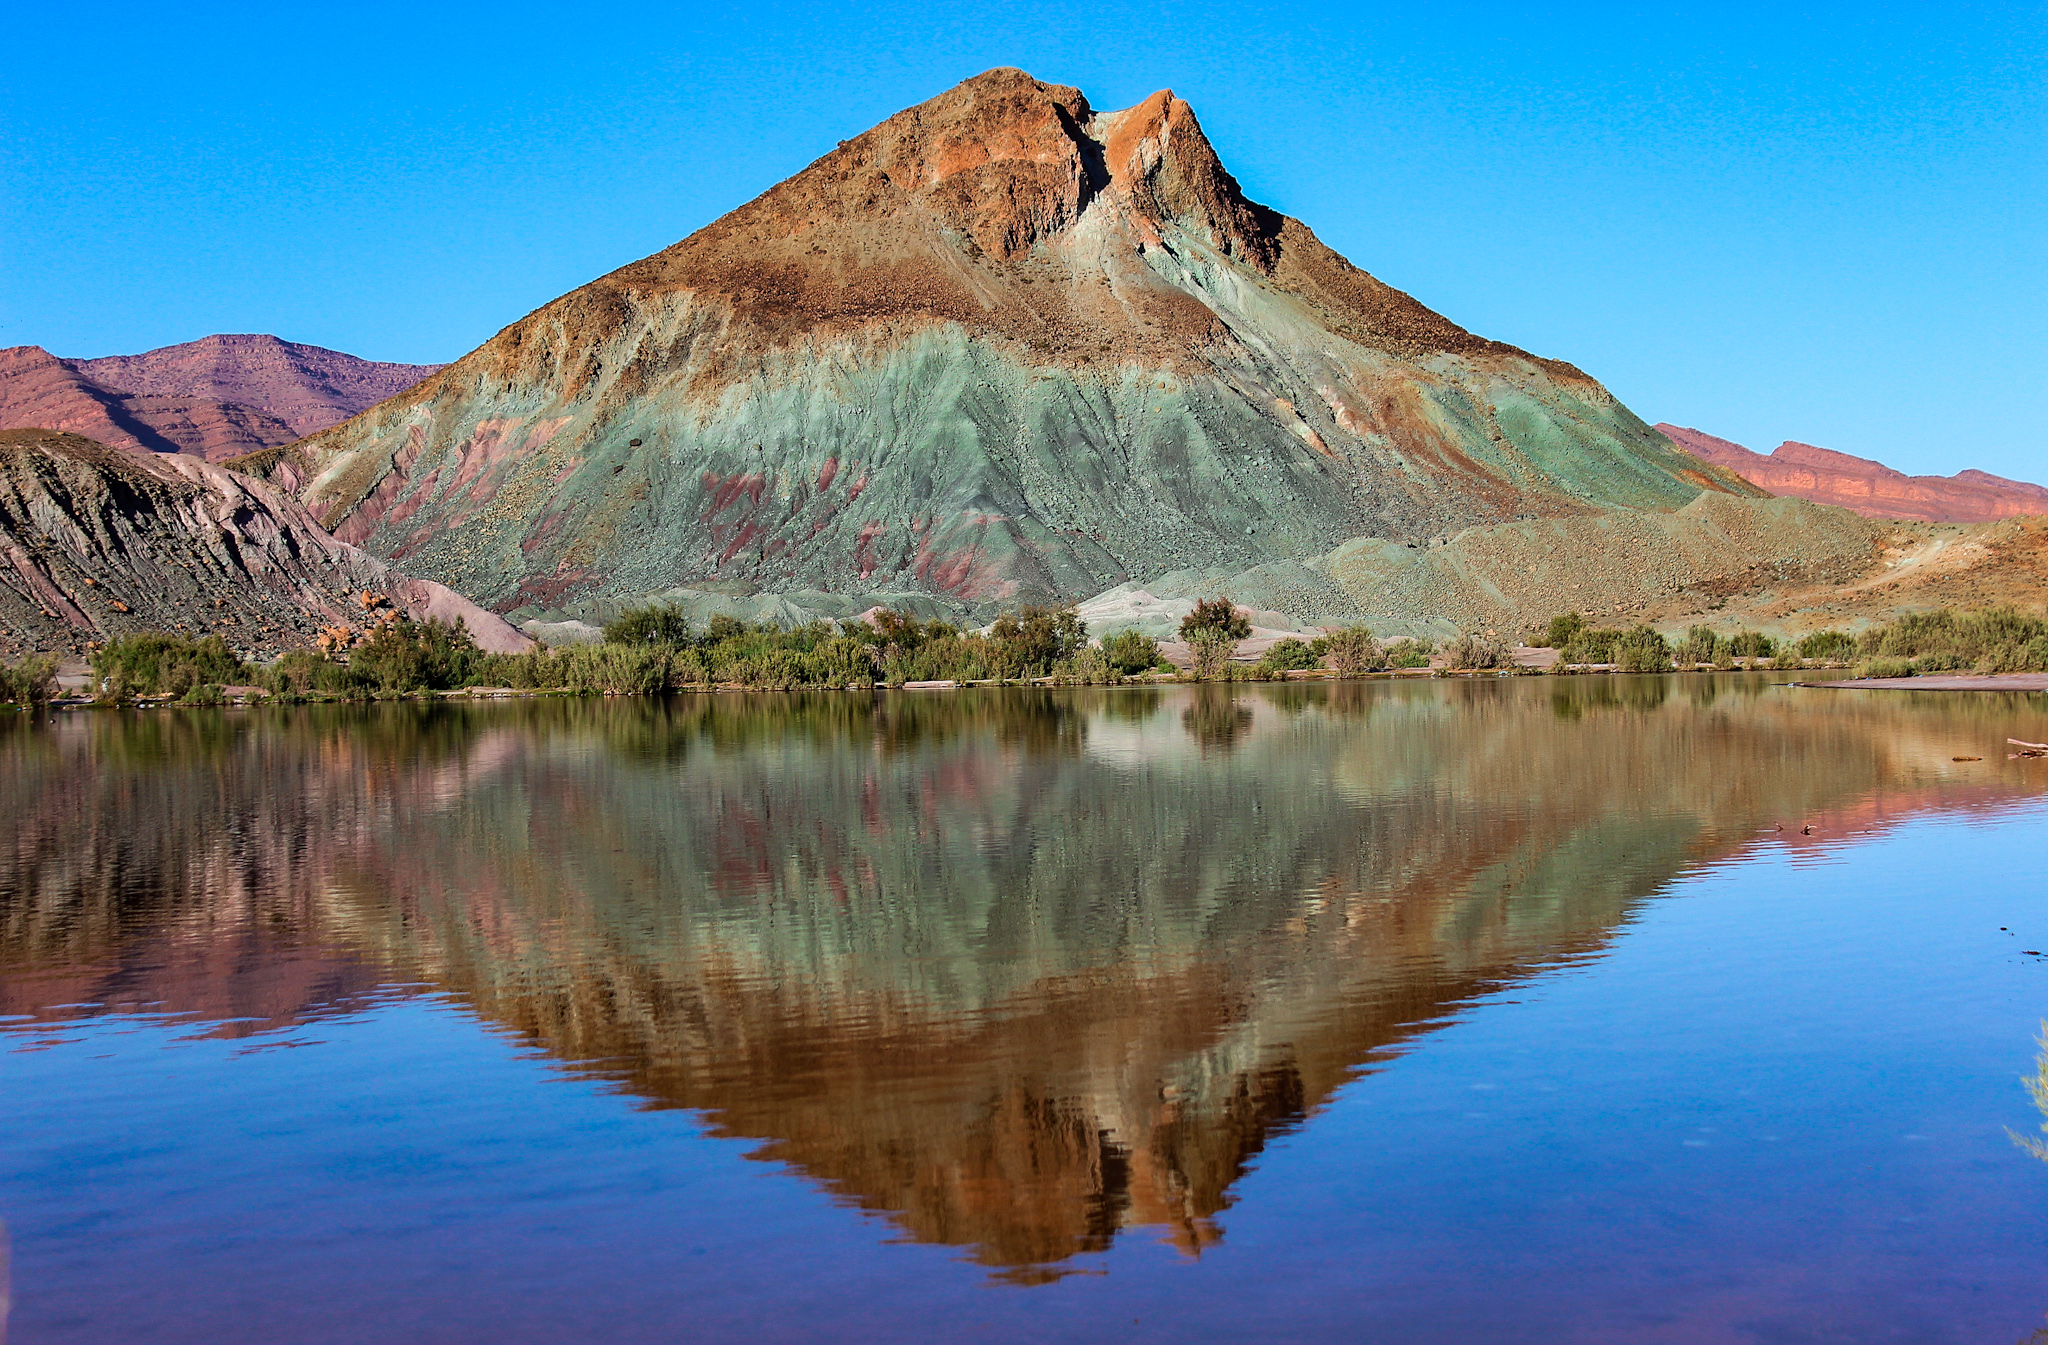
(1516, 1010)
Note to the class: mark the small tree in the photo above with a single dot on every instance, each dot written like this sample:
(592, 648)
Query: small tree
(1562, 629)
(1212, 650)
(1828, 645)
(1131, 652)
(1217, 614)
(1475, 652)
(1037, 638)
(1353, 651)
(648, 625)
(29, 682)
(1288, 655)
(1642, 650)
(1411, 653)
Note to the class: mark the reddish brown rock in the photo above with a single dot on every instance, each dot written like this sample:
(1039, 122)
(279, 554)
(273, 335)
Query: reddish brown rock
(1869, 488)
(308, 388)
(216, 398)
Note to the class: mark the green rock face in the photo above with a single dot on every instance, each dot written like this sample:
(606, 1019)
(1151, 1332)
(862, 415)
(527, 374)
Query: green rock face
(1001, 349)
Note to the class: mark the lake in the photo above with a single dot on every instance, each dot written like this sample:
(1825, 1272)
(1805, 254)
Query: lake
(1528, 1009)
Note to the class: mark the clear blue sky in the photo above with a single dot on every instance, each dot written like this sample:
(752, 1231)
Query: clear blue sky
(1770, 222)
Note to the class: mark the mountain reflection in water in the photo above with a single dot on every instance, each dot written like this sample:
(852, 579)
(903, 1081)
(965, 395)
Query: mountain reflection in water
(1017, 969)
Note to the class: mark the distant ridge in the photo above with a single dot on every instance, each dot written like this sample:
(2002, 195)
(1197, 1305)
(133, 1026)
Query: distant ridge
(215, 398)
(309, 388)
(1866, 487)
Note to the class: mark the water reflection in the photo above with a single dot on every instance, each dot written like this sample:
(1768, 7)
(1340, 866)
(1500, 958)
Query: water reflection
(1018, 970)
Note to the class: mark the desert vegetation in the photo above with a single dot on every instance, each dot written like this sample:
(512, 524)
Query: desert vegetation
(1995, 640)
(30, 682)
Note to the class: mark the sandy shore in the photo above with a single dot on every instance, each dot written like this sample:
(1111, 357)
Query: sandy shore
(1944, 682)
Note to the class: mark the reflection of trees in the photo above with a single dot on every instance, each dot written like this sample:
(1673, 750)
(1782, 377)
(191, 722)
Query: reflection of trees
(1215, 717)
(922, 947)
(2037, 1088)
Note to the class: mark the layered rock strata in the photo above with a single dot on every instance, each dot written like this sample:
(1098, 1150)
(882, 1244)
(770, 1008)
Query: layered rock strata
(96, 543)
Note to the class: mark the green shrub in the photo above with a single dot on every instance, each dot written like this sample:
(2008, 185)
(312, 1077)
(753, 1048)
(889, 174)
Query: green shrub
(1212, 648)
(1353, 651)
(1591, 646)
(1288, 655)
(1131, 652)
(1701, 646)
(1997, 639)
(1218, 614)
(30, 682)
(1091, 667)
(1641, 650)
(406, 655)
(204, 693)
(151, 664)
(1563, 629)
(1476, 652)
(1828, 645)
(1751, 644)
(1885, 667)
(1036, 640)
(1410, 653)
(648, 625)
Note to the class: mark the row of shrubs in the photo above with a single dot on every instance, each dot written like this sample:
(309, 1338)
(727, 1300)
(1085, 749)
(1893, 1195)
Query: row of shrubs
(1998, 639)
(654, 650)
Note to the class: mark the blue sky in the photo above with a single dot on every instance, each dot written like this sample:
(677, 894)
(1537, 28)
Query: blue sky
(1769, 222)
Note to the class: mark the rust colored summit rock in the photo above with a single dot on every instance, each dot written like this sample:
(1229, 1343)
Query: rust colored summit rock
(96, 543)
(216, 398)
(1002, 347)
(1869, 488)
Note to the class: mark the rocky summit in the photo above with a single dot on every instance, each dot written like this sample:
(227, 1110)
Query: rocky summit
(1003, 347)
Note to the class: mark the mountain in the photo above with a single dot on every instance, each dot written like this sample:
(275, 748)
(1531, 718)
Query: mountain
(216, 398)
(40, 391)
(1868, 488)
(101, 542)
(307, 387)
(1000, 348)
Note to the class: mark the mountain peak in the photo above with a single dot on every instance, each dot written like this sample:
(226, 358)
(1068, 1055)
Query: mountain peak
(1003, 347)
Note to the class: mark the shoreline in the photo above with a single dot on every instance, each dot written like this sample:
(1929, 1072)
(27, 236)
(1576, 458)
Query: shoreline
(1939, 682)
(166, 701)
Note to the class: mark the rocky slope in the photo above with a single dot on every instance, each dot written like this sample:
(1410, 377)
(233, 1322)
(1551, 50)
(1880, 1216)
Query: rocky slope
(97, 542)
(1003, 347)
(1868, 488)
(216, 398)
